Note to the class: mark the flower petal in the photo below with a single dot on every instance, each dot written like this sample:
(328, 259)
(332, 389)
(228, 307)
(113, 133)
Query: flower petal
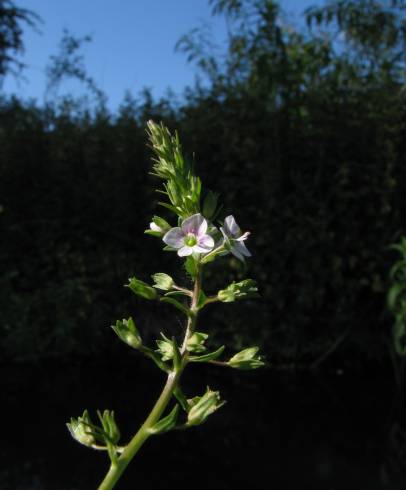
(185, 251)
(202, 228)
(231, 228)
(205, 241)
(237, 254)
(205, 244)
(193, 224)
(174, 238)
(155, 227)
(241, 249)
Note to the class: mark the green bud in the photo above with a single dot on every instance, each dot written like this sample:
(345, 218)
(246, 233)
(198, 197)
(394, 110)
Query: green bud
(238, 290)
(246, 359)
(81, 431)
(202, 407)
(109, 425)
(165, 348)
(167, 423)
(196, 341)
(142, 289)
(162, 281)
(128, 333)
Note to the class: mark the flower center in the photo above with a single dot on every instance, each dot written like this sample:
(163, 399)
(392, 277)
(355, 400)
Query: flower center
(190, 240)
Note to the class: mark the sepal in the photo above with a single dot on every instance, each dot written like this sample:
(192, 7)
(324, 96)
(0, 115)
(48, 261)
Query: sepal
(141, 288)
(110, 429)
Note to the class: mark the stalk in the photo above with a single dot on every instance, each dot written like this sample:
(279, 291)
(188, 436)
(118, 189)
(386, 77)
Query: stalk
(117, 467)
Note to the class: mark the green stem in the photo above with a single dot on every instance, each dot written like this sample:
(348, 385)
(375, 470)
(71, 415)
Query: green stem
(118, 466)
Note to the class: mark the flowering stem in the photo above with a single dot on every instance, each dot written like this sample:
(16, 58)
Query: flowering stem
(118, 466)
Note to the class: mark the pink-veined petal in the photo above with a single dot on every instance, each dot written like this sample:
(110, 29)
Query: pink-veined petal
(174, 238)
(202, 228)
(231, 227)
(185, 251)
(205, 241)
(193, 224)
(204, 245)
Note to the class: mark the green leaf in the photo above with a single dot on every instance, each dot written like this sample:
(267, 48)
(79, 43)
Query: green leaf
(167, 423)
(191, 266)
(210, 205)
(201, 300)
(180, 396)
(211, 356)
(394, 292)
(177, 305)
(155, 357)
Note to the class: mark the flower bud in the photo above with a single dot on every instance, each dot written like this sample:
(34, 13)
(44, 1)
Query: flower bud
(142, 289)
(238, 290)
(246, 359)
(158, 227)
(196, 342)
(163, 281)
(81, 431)
(165, 348)
(128, 333)
(203, 406)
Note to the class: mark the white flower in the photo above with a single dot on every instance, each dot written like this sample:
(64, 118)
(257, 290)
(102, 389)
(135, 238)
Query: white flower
(190, 237)
(234, 238)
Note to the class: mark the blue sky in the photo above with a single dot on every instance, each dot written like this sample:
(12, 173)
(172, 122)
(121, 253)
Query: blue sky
(132, 44)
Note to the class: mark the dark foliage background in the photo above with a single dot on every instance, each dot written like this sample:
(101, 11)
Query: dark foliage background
(304, 135)
(302, 130)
